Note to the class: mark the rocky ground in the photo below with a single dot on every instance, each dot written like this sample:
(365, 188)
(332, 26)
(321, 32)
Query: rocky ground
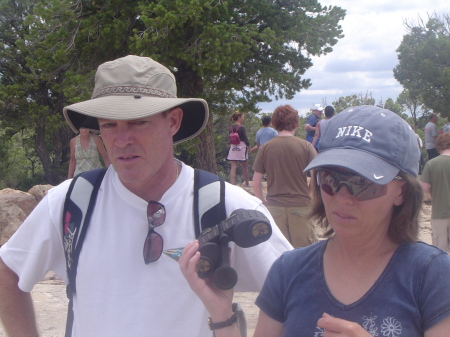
(50, 300)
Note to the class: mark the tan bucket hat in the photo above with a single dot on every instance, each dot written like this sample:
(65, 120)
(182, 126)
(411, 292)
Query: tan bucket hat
(134, 87)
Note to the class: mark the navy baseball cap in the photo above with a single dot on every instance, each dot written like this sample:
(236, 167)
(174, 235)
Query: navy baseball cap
(373, 142)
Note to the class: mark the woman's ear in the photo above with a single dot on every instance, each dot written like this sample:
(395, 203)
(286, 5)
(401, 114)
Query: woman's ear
(402, 192)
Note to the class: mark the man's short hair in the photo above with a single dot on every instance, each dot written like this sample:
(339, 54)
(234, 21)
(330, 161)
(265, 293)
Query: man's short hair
(431, 116)
(443, 142)
(329, 111)
(266, 120)
(285, 117)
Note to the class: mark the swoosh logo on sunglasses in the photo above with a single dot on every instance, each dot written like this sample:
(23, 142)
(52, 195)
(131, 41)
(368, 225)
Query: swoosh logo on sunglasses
(377, 177)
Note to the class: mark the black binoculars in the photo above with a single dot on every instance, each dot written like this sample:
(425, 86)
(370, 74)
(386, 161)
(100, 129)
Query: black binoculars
(246, 228)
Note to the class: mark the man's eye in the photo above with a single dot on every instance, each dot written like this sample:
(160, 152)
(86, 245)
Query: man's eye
(106, 126)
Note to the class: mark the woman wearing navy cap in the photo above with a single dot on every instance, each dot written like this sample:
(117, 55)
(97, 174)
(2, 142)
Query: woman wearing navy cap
(370, 277)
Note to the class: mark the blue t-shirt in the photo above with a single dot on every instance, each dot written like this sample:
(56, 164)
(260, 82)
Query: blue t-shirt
(264, 135)
(311, 120)
(411, 295)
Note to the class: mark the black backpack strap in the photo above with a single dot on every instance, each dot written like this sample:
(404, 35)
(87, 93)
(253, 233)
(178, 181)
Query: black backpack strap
(209, 200)
(78, 208)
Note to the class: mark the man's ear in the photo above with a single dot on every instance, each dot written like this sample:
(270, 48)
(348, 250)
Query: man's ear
(174, 117)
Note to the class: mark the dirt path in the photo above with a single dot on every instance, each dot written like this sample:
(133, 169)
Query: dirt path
(49, 297)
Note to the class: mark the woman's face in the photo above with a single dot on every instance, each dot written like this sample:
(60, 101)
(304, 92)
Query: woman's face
(84, 131)
(354, 218)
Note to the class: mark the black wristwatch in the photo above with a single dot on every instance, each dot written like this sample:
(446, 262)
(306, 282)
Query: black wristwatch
(224, 324)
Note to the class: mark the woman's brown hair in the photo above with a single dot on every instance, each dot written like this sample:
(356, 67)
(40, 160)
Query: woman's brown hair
(235, 116)
(404, 225)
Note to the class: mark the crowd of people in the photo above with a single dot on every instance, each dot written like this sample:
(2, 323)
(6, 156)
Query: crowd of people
(367, 276)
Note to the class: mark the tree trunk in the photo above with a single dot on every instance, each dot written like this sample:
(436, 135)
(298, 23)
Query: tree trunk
(205, 158)
(191, 85)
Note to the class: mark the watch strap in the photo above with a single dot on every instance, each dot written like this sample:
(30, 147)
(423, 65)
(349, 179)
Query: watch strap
(219, 325)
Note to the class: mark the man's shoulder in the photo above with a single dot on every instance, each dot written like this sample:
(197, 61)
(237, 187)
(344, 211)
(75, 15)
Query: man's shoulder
(311, 119)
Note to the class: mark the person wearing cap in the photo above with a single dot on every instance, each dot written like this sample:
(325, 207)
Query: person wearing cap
(370, 277)
(264, 134)
(311, 122)
(431, 133)
(322, 125)
(126, 287)
(436, 181)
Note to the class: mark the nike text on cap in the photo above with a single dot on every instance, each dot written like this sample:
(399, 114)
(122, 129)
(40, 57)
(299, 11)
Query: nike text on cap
(375, 143)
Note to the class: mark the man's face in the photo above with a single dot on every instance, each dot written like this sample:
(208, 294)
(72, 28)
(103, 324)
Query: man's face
(140, 149)
(318, 113)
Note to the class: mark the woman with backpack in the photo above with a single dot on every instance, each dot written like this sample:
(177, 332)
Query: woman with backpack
(239, 145)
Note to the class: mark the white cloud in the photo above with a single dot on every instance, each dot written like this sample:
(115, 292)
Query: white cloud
(364, 59)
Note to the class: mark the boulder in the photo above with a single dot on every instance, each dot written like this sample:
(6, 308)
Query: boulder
(26, 201)
(11, 217)
(39, 191)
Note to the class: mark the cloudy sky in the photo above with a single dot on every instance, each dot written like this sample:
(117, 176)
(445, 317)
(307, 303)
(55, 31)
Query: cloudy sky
(363, 60)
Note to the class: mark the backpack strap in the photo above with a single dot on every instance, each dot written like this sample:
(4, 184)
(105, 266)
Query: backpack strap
(209, 210)
(78, 207)
(232, 128)
(209, 200)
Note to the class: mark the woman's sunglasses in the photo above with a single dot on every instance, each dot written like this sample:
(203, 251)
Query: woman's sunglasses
(361, 188)
(153, 246)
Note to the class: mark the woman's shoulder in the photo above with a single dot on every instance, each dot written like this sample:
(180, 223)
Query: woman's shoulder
(303, 255)
(421, 254)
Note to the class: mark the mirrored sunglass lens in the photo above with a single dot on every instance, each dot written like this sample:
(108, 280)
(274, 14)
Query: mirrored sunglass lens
(153, 247)
(372, 191)
(156, 214)
(361, 188)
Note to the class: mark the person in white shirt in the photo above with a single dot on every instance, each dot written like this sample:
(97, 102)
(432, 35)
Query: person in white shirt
(127, 283)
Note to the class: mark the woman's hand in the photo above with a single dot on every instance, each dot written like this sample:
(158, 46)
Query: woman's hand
(340, 328)
(217, 302)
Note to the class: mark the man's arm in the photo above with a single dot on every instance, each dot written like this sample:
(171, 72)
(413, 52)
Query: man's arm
(72, 160)
(257, 186)
(426, 188)
(309, 127)
(16, 306)
(254, 148)
(316, 134)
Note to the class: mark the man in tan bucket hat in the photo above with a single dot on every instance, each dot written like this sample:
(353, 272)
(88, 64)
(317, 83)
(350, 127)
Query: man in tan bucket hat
(144, 208)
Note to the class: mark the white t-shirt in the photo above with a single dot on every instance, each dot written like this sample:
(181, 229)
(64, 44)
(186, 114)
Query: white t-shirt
(117, 293)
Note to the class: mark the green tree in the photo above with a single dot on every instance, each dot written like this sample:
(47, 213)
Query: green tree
(345, 102)
(424, 62)
(231, 53)
(30, 99)
(414, 107)
(392, 105)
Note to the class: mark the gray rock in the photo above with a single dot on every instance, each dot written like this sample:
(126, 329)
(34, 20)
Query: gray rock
(39, 191)
(11, 217)
(27, 202)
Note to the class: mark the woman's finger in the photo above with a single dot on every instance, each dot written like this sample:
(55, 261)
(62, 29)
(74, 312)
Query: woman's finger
(335, 326)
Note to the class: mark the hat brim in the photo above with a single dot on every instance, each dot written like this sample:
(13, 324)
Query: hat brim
(363, 163)
(127, 107)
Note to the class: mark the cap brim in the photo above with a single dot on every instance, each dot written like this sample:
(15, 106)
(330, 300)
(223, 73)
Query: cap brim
(127, 107)
(363, 163)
